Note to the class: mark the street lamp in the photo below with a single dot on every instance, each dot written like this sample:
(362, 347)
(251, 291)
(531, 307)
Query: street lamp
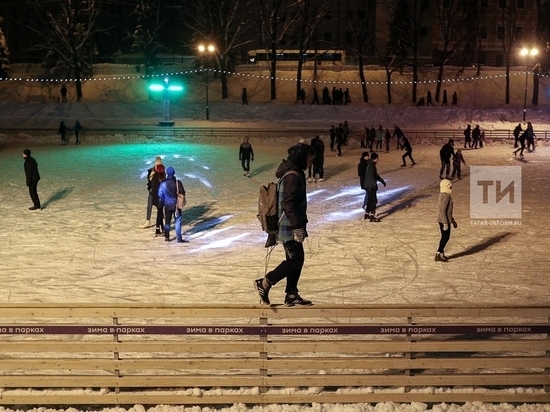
(166, 88)
(206, 51)
(525, 53)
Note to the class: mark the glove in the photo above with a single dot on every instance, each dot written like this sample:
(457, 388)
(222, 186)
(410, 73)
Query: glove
(445, 227)
(299, 235)
(455, 225)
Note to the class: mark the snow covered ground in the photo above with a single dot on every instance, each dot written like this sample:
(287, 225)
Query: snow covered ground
(86, 245)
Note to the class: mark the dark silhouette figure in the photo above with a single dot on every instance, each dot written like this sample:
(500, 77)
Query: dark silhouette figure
(517, 132)
(62, 131)
(244, 96)
(454, 100)
(429, 99)
(315, 97)
(32, 177)
(77, 128)
(302, 96)
(63, 92)
(444, 101)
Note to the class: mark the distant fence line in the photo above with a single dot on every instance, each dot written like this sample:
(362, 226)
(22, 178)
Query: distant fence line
(184, 131)
(152, 354)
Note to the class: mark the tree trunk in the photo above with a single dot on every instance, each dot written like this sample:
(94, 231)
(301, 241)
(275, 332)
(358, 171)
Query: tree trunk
(507, 88)
(273, 71)
(78, 83)
(415, 77)
(439, 80)
(223, 80)
(388, 85)
(363, 82)
(299, 77)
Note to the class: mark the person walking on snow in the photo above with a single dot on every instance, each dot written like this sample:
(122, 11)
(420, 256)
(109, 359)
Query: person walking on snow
(63, 132)
(292, 201)
(246, 154)
(517, 132)
(371, 186)
(32, 178)
(77, 128)
(444, 218)
(148, 211)
(168, 195)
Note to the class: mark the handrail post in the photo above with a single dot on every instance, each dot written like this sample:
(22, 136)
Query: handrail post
(116, 355)
(547, 370)
(263, 354)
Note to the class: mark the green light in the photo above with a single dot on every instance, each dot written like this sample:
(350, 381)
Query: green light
(156, 87)
(175, 88)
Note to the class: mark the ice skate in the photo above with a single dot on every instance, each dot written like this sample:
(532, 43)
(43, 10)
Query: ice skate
(440, 257)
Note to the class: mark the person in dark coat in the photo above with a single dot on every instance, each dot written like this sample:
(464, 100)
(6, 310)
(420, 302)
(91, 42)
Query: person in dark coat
(77, 128)
(168, 195)
(332, 132)
(32, 178)
(244, 96)
(522, 139)
(63, 132)
(371, 186)
(318, 147)
(63, 92)
(246, 154)
(292, 228)
(476, 137)
(302, 96)
(315, 97)
(398, 133)
(468, 137)
(406, 146)
(156, 178)
(149, 210)
(445, 154)
(361, 170)
(454, 100)
(444, 101)
(429, 99)
(517, 132)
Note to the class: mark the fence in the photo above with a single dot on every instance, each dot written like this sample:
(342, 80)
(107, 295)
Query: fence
(78, 354)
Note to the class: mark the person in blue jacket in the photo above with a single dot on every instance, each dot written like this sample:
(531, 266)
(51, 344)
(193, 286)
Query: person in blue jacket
(168, 194)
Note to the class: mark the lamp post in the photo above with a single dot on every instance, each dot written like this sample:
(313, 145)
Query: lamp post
(167, 89)
(206, 51)
(525, 53)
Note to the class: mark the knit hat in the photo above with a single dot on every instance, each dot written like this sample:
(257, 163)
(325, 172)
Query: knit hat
(445, 186)
(158, 160)
(159, 168)
(297, 154)
(27, 152)
(170, 171)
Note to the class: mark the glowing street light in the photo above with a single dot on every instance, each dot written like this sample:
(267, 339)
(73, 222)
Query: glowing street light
(526, 53)
(206, 51)
(167, 89)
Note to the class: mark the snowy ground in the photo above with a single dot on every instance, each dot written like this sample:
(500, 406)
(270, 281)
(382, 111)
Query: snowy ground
(86, 245)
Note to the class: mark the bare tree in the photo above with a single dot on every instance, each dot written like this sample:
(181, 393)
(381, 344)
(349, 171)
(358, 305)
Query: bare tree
(145, 39)
(409, 17)
(65, 27)
(276, 18)
(223, 23)
(510, 23)
(310, 13)
(362, 30)
(4, 54)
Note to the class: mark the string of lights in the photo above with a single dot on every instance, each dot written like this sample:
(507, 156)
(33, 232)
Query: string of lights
(188, 72)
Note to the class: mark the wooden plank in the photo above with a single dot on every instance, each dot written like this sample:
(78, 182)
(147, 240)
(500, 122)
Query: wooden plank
(347, 363)
(275, 347)
(153, 398)
(191, 381)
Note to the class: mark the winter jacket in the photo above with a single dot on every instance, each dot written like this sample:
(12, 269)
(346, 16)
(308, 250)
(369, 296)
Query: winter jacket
(168, 192)
(361, 170)
(319, 148)
(405, 145)
(446, 152)
(31, 170)
(245, 151)
(445, 203)
(292, 200)
(371, 176)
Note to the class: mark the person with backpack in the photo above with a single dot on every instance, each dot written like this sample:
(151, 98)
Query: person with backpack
(168, 194)
(292, 213)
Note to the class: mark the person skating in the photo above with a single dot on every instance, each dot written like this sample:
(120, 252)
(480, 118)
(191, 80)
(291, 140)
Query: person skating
(361, 170)
(457, 160)
(387, 137)
(77, 128)
(157, 177)
(371, 186)
(530, 138)
(522, 139)
(444, 101)
(32, 178)
(168, 195)
(315, 97)
(444, 218)
(62, 131)
(398, 134)
(468, 137)
(476, 137)
(517, 132)
(454, 99)
(332, 132)
(379, 137)
(63, 92)
(406, 146)
(148, 211)
(246, 154)
(318, 147)
(292, 227)
(445, 154)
